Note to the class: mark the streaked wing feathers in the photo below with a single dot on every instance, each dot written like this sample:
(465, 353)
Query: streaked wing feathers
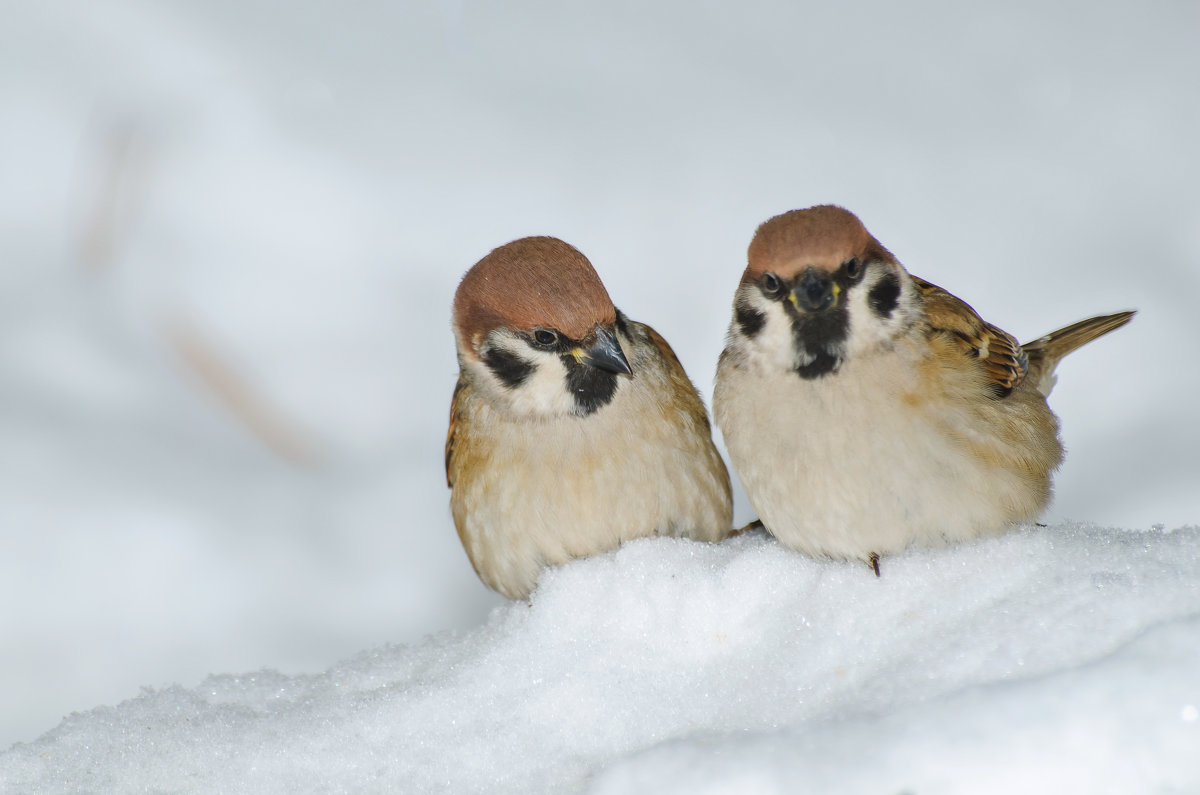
(1000, 356)
(458, 388)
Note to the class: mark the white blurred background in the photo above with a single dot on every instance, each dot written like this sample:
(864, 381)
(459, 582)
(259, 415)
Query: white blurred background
(230, 233)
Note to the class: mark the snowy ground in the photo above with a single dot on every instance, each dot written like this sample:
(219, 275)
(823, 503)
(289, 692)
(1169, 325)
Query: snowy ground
(229, 235)
(1055, 660)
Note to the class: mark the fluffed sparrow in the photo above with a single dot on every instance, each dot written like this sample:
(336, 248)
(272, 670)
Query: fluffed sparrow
(572, 427)
(866, 409)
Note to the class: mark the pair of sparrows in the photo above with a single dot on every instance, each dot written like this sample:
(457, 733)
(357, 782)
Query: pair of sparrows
(863, 408)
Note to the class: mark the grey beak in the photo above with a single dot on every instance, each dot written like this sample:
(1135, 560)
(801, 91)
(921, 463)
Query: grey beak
(605, 353)
(814, 292)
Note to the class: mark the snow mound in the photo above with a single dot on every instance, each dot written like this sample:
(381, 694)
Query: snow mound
(1050, 660)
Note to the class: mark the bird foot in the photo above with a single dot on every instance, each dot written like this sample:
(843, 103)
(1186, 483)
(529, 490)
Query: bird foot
(755, 525)
(874, 561)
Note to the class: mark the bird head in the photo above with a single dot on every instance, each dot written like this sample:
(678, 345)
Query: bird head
(537, 332)
(817, 289)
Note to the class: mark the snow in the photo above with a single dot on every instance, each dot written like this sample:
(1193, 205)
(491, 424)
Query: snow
(229, 235)
(1055, 659)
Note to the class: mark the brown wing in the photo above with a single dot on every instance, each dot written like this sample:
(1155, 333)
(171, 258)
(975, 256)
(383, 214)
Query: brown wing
(691, 403)
(458, 388)
(663, 346)
(1000, 356)
(683, 384)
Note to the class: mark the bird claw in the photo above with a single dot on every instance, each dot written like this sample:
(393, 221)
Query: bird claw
(754, 525)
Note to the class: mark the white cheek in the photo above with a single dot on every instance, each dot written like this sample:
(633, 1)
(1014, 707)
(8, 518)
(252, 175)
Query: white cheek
(542, 394)
(869, 331)
(545, 392)
(773, 347)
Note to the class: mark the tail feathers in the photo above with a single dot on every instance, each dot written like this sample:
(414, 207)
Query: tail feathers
(1046, 352)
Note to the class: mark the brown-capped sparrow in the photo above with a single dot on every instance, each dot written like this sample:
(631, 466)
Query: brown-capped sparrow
(572, 427)
(866, 409)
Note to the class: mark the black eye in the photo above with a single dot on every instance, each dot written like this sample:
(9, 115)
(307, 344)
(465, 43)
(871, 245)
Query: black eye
(771, 284)
(854, 269)
(545, 338)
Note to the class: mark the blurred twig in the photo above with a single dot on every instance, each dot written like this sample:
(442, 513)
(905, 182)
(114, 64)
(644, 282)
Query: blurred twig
(110, 192)
(111, 188)
(236, 394)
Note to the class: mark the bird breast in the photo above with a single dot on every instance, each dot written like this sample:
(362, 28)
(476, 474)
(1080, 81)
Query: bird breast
(881, 454)
(530, 494)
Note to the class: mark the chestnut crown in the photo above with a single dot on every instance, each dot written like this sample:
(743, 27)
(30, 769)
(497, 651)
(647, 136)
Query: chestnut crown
(530, 283)
(823, 237)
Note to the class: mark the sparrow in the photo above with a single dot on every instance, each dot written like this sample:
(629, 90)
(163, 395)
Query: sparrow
(866, 409)
(572, 427)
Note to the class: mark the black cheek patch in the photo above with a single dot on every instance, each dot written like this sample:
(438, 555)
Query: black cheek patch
(508, 367)
(884, 295)
(750, 320)
(591, 387)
